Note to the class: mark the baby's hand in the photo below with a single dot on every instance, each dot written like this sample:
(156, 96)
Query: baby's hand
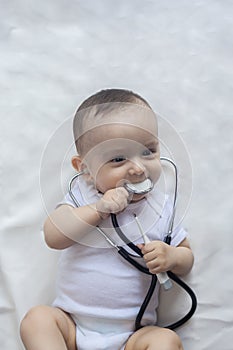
(113, 201)
(159, 256)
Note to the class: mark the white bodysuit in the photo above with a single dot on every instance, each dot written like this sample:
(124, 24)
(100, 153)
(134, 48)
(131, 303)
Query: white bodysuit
(103, 292)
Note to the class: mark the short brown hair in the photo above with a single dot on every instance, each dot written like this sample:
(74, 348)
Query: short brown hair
(112, 95)
(104, 101)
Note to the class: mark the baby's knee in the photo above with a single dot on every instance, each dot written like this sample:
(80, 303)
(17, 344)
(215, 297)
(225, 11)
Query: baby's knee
(34, 318)
(172, 340)
(163, 339)
(154, 338)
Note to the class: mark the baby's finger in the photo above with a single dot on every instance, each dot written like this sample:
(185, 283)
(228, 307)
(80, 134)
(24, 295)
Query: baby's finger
(147, 248)
(121, 203)
(140, 246)
(122, 193)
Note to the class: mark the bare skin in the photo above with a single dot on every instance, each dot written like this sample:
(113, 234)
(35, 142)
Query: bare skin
(52, 328)
(47, 328)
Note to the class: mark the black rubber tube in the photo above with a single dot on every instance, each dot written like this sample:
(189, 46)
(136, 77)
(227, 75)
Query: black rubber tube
(151, 289)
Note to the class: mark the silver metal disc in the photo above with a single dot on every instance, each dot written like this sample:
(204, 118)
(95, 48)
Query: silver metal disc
(140, 187)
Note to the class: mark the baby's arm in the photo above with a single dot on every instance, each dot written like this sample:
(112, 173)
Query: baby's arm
(161, 257)
(67, 225)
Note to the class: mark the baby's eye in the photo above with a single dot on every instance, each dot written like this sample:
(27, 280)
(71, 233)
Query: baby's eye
(118, 159)
(148, 152)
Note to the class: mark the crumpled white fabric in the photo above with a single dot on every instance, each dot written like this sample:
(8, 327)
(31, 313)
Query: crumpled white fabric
(178, 55)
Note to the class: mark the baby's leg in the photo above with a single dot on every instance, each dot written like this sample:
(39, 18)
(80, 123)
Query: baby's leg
(154, 338)
(46, 328)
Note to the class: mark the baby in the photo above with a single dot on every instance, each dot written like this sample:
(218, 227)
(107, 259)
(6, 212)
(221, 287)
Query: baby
(99, 294)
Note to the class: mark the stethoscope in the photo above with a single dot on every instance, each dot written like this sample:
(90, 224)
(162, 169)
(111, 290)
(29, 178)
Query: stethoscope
(164, 277)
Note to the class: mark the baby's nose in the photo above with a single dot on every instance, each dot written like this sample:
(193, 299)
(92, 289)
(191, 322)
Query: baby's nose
(136, 167)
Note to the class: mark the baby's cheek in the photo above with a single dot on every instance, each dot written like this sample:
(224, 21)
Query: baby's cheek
(156, 172)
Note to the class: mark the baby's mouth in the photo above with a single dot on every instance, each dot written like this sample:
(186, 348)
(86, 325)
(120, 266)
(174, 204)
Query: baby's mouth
(142, 187)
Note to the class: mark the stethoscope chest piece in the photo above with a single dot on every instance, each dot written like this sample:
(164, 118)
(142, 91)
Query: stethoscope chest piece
(139, 187)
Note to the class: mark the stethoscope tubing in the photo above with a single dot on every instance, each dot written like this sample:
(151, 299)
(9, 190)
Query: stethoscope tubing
(193, 297)
(148, 297)
(152, 286)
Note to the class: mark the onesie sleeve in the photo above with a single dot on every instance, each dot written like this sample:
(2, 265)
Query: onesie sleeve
(67, 200)
(178, 233)
(84, 193)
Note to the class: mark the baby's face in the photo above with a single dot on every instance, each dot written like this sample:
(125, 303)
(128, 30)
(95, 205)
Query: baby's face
(119, 153)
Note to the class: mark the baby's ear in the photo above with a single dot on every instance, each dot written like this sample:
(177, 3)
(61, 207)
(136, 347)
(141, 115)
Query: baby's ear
(79, 165)
(76, 163)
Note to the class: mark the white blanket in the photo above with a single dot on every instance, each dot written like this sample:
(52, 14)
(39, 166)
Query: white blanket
(178, 55)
